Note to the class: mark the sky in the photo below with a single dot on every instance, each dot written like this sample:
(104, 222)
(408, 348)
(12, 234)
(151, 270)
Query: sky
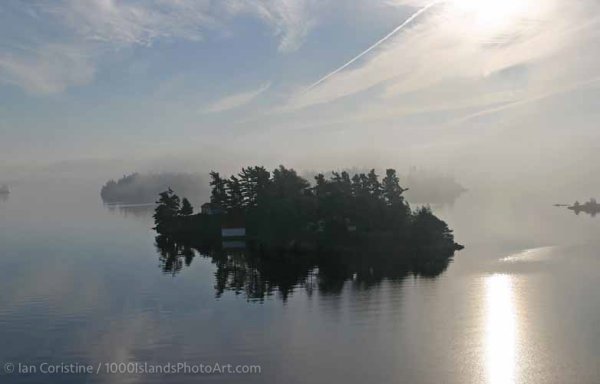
(479, 86)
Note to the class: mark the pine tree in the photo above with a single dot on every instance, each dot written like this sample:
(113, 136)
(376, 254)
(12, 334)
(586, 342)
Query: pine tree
(218, 195)
(320, 185)
(392, 191)
(373, 184)
(166, 209)
(186, 208)
(254, 182)
(287, 183)
(235, 198)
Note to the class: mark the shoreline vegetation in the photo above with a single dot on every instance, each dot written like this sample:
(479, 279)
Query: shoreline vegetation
(267, 230)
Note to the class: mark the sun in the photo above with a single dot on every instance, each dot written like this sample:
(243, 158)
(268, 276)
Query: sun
(490, 17)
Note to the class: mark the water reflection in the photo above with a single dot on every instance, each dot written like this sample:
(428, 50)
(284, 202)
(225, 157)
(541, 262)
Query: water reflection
(173, 255)
(137, 211)
(257, 273)
(590, 213)
(501, 330)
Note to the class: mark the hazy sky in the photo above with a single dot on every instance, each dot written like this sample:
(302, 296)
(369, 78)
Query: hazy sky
(488, 84)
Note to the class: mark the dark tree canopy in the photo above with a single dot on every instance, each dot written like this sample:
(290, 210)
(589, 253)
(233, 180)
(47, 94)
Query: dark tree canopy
(218, 196)
(235, 198)
(186, 207)
(392, 191)
(166, 210)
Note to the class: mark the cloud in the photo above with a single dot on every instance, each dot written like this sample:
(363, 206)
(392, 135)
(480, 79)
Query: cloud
(50, 69)
(529, 100)
(291, 20)
(451, 43)
(237, 100)
(399, 28)
(132, 22)
(50, 46)
(81, 32)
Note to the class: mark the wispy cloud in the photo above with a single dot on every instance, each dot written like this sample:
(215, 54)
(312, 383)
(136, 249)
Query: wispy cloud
(399, 28)
(236, 100)
(50, 69)
(291, 20)
(83, 31)
(450, 44)
(132, 22)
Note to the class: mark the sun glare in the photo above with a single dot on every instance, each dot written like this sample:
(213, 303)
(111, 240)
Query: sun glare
(492, 16)
(501, 330)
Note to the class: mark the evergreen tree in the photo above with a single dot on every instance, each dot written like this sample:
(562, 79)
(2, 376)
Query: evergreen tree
(320, 188)
(235, 198)
(254, 182)
(167, 208)
(356, 185)
(287, 183)
(373, 184)
(186, 208)
(218, 196)
(343, 184)
(392, 191)
(263, 182)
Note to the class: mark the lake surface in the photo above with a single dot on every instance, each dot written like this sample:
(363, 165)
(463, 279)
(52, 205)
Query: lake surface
(83, 284)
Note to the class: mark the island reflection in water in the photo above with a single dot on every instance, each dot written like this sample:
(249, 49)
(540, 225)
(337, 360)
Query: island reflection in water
(258, 274)
(139, 211)
(4, 197)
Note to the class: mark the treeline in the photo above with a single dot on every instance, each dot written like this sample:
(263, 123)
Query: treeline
(255, 185)
(139, 188)
(170, 208)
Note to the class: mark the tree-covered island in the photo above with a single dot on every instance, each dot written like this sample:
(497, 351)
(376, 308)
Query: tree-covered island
(357, 224)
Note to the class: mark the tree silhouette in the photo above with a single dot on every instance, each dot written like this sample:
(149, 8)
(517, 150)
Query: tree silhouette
(254, 183)
(392, 191)
(374, 185)
(287, 183)
(235, 198)
(218, 197)
(186, 208)
(166, 210)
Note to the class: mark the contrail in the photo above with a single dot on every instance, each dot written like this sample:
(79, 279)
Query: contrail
(379, 42)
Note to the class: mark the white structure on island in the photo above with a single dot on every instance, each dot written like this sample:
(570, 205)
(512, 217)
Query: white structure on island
(233, 232)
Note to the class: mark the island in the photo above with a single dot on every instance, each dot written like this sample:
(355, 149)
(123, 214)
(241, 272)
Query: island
(432, 187)
(142, 188)
(590, 207)
(267, 230)
(4, 193)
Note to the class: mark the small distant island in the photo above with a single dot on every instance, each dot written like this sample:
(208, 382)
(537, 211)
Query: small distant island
(356, 224)
(138, 188)
(591, 207)
(432, 187)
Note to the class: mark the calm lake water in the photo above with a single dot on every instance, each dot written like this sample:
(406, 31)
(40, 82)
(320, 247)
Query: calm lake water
(81, 283)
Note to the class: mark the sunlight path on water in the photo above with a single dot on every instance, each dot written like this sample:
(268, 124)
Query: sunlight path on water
(500, 330)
